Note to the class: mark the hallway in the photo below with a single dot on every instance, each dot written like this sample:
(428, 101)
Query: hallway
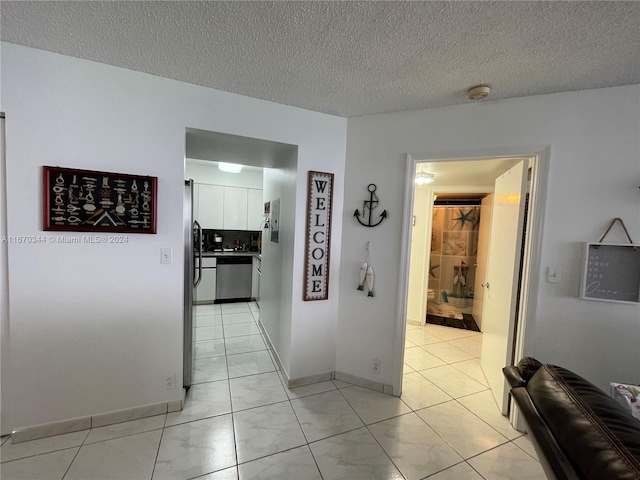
(240, 421)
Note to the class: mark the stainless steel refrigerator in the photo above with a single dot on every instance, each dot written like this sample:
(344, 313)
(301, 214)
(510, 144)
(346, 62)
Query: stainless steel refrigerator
(192, 277)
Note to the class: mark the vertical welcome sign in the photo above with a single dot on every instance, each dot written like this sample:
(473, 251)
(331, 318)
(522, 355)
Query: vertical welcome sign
(318, 245)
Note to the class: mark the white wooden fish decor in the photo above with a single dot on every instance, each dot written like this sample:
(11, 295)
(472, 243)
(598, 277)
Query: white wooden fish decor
(366, 275)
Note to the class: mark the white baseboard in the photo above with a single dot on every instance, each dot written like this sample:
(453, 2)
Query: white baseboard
(322, 377)
(309, 379)
(272, 351)
(363, 382)
(34, 432)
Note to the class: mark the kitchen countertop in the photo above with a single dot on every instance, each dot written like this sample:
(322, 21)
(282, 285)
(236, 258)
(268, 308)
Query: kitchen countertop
(231, 254)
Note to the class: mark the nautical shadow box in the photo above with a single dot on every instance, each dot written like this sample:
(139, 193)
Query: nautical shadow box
(90, 201)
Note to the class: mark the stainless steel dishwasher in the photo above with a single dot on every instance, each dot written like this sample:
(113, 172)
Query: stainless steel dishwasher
(233, 281)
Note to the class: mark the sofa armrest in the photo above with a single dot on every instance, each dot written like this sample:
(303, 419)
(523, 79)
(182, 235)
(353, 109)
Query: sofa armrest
(513, 376)
(520, 374)
(552, 458)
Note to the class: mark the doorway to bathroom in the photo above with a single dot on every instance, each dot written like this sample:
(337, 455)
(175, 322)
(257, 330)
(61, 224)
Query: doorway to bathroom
(454, 285)
(449, 242)
(449, 239)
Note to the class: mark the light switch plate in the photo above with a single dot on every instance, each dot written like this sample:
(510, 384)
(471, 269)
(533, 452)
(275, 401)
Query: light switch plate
(166, 256)
(553, 275)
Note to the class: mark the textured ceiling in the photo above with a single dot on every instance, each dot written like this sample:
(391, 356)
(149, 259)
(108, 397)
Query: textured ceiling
(347, 58)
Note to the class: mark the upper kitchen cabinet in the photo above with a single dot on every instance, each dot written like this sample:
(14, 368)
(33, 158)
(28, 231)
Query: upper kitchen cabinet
(234, 208)
(210, 206)
(226, 201)
(220, 207)
(254, 209)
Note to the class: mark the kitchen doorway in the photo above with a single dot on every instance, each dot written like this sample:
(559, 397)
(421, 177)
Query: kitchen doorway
(231, 211)
(458, 172)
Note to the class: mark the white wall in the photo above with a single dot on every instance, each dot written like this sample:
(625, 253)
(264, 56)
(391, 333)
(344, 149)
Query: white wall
(277, 262)
(313, 334)
(303, 333)
(594, 176)
(95, 327)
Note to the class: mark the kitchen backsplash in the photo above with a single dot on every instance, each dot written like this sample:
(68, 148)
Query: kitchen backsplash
(239, 240)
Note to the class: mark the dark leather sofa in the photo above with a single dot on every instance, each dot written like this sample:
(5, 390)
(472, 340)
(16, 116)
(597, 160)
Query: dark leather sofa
(578, 431)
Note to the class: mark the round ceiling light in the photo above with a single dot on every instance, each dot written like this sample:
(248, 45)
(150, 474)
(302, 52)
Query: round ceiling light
(479, 92)
(422, 178)
(230, 167)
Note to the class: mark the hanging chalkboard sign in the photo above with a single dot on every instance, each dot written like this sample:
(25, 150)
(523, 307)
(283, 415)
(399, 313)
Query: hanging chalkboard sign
(611, 273)
(90, 201)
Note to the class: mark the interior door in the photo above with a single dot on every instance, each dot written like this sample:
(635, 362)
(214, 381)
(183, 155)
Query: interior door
(481, 260)
(501, 286)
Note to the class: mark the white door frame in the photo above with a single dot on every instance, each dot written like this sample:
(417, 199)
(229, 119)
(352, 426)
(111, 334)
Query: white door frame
(532, 251)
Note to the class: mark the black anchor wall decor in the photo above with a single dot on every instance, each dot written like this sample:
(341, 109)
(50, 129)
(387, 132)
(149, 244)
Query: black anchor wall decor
(367, 220)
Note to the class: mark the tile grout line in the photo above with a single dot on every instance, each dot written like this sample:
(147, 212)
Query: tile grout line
(128, 434)
(155, 462)
(371, 433)
(221, 414)
(233, 425)
(336, 434)
(69, 467)
(307, 444)
(298, 420)
(84, 442)
(383, 449)
(441, 437)
(456, 399)
(518, 446)
(39, 454)
(76, 455)
(483, 421)
(285, 388)
(447, 468)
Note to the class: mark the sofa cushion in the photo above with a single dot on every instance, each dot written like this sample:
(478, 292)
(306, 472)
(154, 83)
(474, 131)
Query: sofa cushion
(599, 438)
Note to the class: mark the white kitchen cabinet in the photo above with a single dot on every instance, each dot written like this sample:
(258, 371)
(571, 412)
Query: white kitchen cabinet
(220, 207)
(210, 206)
(206, 291)
(234, 208)
(254, 209)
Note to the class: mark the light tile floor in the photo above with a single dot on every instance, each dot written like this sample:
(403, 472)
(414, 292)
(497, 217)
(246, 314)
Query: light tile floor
(241, 422)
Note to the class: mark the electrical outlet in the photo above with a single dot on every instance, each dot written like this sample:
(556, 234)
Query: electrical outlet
(170, 381)
(377, 364)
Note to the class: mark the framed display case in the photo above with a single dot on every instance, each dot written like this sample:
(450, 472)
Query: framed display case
(92, 201)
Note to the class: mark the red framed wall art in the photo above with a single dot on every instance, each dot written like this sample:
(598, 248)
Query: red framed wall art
(91, 201)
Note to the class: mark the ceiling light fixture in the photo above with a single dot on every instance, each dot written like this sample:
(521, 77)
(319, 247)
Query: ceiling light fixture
(230, 167)
(479, 92)
(422, 178)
